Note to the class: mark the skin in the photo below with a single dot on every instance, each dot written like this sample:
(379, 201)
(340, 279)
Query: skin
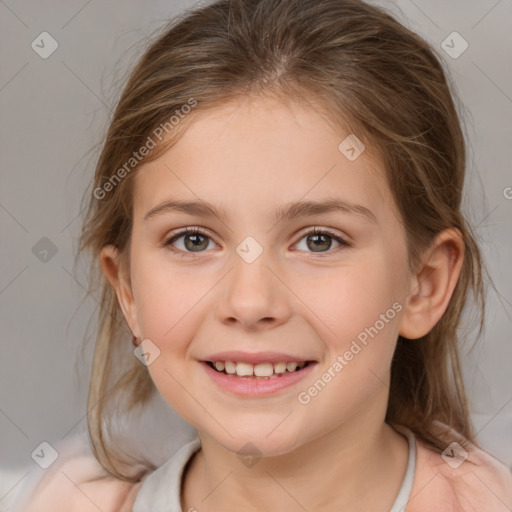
(251, 156)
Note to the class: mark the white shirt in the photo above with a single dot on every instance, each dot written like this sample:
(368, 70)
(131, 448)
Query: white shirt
(160, 491)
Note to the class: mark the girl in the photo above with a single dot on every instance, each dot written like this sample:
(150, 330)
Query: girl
(276, 223)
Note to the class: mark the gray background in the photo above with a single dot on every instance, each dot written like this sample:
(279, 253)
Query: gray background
(54, 112)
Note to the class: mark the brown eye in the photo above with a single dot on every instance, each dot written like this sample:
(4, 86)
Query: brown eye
(320, 241)
(194, 240)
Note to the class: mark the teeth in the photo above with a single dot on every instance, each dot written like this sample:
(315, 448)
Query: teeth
(230, 367)
(291, 367)
(263, 369)
(279, 367)
(244, 369)
(260, 370)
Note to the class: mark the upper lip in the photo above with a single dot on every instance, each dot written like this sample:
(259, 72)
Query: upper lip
(256, 357)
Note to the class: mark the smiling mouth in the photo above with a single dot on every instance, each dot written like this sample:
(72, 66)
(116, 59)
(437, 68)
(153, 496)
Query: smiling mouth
(257, 371)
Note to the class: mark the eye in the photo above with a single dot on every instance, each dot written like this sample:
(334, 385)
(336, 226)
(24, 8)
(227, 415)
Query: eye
(320, 241)
(194, 240)
(197, 240)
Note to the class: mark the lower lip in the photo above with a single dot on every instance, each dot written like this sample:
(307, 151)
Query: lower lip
(243, 386)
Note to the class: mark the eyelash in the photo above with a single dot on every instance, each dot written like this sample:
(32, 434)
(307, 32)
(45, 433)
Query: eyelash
(199, 231)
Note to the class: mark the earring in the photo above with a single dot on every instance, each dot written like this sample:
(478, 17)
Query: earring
(134, 341)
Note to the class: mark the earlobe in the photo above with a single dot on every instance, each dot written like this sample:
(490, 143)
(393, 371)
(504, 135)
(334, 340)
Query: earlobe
(110, 259)
(433, 284)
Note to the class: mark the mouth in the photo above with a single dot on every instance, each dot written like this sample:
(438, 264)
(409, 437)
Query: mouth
(260, 371)
(256, 374)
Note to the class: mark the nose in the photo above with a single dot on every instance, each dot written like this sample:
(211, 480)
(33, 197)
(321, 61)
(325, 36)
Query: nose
(253, 296)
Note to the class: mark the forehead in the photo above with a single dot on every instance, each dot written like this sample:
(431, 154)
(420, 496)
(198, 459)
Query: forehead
(250, 153)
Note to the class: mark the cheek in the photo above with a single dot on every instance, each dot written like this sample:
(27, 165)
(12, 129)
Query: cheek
(169, 302)
(165, 296)
(361, 302)
(362, 307)
(167, 306)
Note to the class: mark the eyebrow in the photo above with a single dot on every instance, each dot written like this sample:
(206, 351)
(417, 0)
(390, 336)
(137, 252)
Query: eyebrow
(283, 213)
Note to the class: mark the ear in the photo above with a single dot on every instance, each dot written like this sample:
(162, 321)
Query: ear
(433, 284)
(110, 259)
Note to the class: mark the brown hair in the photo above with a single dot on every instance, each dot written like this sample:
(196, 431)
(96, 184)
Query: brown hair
(362, 70)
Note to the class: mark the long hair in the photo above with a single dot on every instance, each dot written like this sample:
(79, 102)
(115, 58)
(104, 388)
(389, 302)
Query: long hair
(362, 70)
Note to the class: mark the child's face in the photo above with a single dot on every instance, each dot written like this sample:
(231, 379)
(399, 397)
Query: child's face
(306, 297)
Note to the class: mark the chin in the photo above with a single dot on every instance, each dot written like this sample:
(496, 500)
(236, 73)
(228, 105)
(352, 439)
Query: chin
(256, 441)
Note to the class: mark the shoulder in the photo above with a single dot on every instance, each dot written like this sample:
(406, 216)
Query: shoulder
(80, 484)
(464, 478)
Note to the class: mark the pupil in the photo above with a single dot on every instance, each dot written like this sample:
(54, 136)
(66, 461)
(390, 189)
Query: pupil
(196, 243)
(319, 245)
(319, 241)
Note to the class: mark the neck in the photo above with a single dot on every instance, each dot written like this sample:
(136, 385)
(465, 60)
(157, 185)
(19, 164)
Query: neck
(346, 469)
